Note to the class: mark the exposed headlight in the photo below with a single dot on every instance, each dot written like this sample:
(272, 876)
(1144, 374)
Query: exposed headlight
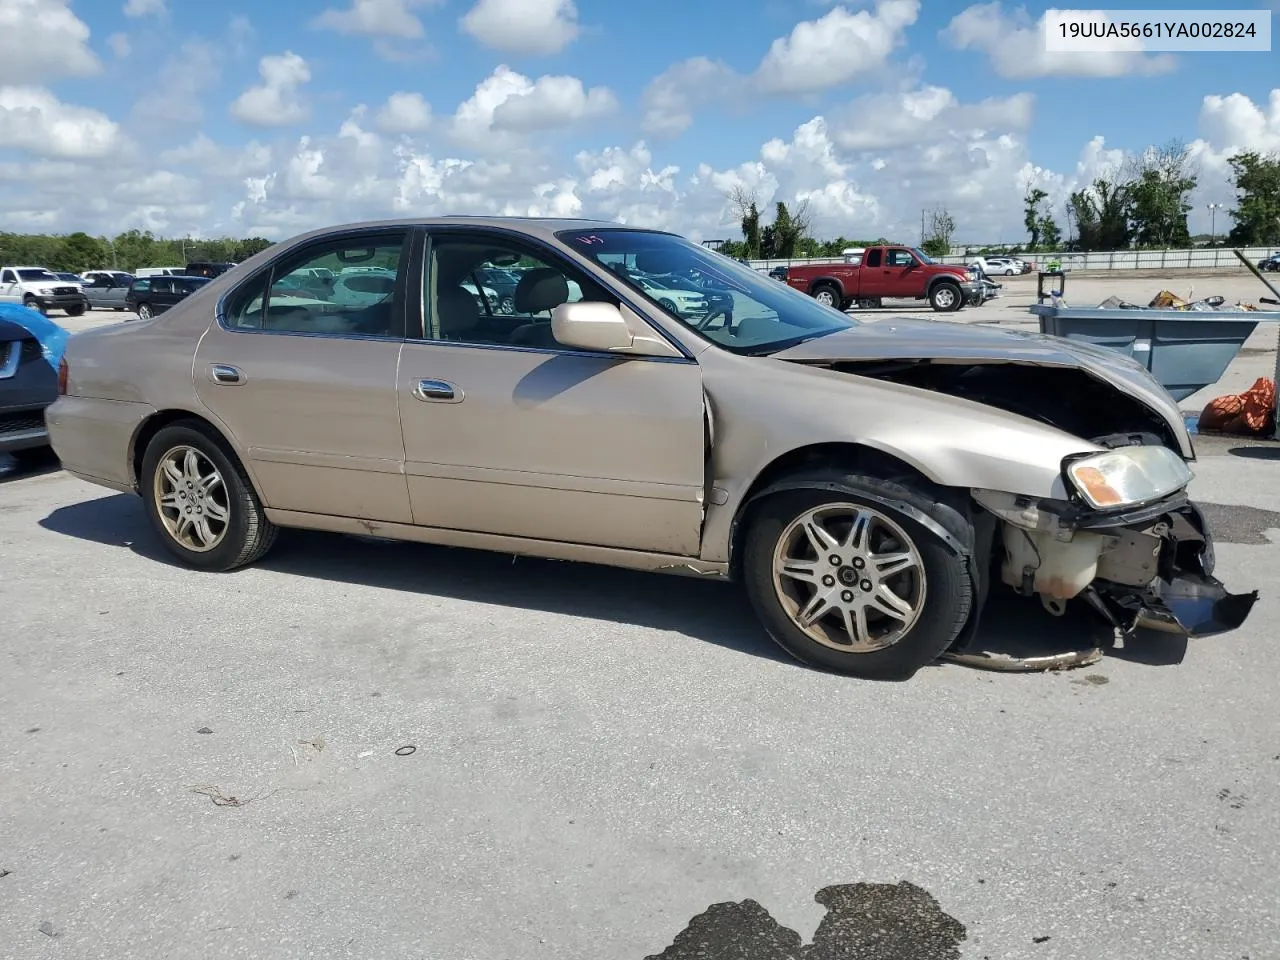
(44, 291)
(1128, 476)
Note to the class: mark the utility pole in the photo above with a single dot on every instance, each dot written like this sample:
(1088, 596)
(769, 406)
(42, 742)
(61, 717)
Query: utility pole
(1213, 223)
(922, 237)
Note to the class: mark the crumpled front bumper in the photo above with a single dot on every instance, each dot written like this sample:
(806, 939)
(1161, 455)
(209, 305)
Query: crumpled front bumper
(1184, 598)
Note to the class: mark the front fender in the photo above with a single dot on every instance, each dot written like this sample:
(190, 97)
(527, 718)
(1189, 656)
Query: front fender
(952, 442)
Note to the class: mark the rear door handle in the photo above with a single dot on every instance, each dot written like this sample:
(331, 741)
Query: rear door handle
(437, 391)
(225, 373)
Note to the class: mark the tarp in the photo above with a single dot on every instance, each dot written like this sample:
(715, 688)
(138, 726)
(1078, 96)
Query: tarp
(52, 338)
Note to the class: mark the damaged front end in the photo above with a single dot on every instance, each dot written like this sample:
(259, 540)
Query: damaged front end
(1148, 566)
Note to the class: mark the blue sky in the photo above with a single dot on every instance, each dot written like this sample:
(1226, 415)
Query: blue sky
(648, 112)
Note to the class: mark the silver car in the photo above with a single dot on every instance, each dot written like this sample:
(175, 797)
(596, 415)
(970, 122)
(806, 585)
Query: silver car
(106, 289)
(868, 484)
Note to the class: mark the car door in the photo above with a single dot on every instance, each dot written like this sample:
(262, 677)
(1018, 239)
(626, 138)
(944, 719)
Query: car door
(507, 432)
(10, 289)
(306, 385)
(902, 273)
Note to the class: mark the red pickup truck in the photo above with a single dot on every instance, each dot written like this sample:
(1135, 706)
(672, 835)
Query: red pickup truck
(885, 273)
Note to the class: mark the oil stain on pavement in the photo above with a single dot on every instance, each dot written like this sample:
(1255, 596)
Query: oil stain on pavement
(864, 921)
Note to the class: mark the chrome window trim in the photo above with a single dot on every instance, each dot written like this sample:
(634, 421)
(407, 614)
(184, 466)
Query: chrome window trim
(548, 351)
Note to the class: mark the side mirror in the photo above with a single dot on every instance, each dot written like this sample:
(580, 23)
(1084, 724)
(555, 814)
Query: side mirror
(603, 328)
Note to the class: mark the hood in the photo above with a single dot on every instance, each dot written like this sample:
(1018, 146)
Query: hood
(940, 340)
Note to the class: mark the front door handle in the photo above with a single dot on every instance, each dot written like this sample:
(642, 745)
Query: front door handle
(225, 373)
(437, 391)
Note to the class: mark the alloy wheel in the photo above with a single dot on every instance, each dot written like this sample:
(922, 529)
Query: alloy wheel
(825, 297)
(144, 312)
(945, 298)
(191, 499)
(849, 577)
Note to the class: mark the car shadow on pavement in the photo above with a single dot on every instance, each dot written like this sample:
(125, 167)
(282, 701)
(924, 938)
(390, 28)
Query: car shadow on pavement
(11, 469)
(711, 611)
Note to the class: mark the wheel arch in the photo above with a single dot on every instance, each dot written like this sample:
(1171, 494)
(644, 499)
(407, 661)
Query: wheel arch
(148, 428)
(943, 278)
(826, 281)
(823, 466)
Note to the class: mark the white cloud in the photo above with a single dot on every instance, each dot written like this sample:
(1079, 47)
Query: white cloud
(835, 48)
(119, 44)
(540, 27)
(145, 8)
(671, 98)
(926, 114)
(376, 18)
(509, 102)
(404, 113)
(174, 97)
(1016, 46)
(33, 119)
(817, 55)
(42, 40)
(275, 101)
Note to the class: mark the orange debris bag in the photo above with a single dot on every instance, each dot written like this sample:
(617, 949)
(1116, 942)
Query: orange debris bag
(1251, 412)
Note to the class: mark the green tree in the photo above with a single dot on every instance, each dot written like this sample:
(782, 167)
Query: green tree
(1160, 181)
(1050, 235)
(942, 226)
(79, 251)
(245, 249)
(1257, 213)
(1102, 214)
(1032, 218)
(787, 233)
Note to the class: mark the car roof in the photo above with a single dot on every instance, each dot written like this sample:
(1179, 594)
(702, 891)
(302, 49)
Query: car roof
(545, 227)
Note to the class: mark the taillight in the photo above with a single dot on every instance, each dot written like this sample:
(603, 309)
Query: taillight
(62, 377)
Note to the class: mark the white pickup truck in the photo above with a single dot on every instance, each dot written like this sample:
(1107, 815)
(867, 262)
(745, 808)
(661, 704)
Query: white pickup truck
(40, 289)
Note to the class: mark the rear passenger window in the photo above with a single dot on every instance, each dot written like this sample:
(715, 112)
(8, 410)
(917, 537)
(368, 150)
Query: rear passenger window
(345, 286)
(873, 258)
(142, 286)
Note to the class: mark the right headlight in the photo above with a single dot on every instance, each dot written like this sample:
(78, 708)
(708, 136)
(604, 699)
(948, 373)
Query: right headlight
(1128, 476)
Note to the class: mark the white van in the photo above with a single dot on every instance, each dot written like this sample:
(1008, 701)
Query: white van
(159, 272)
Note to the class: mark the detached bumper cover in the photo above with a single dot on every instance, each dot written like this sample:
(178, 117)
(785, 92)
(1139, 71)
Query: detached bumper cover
(1185, 598)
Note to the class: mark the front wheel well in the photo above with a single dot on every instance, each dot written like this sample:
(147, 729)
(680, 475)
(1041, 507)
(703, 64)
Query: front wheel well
(157, 422)
(830, 459)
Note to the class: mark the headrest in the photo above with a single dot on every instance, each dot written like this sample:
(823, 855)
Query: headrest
(541, 289)
(456, 311)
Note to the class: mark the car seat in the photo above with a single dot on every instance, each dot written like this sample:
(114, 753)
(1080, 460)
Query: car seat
(457, 313)
(540, 290)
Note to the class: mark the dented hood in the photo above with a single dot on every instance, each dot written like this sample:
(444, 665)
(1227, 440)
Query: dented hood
(949, 342)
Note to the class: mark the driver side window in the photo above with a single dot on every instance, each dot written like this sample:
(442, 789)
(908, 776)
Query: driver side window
(485, 290)
(900, 258)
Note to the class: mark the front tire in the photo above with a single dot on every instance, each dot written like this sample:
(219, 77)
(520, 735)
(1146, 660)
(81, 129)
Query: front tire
(144, 311)
(946, 297)
(845, 583)
(31, 303)
(75, 311)
(200, 501)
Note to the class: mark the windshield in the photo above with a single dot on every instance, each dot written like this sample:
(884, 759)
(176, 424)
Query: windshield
(754, 314)
(29, 275)
(924, 257)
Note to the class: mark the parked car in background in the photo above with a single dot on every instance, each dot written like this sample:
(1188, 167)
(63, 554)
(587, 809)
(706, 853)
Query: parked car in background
(503, 283)
(28, 384)
(684, 303)
(1271, 263)
(206, 268)
(106, 289)
(74, 279)
(40, 289)
(158, 272)
(870, 484)
(890, 272)
(149, 296)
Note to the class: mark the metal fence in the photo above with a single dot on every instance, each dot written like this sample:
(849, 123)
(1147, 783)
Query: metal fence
(1216, 258)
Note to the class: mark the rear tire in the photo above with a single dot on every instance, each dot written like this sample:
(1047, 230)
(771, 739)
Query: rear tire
(785, 573)
(946, 297)
(144, 311)
(200, 500)
(828, 295)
